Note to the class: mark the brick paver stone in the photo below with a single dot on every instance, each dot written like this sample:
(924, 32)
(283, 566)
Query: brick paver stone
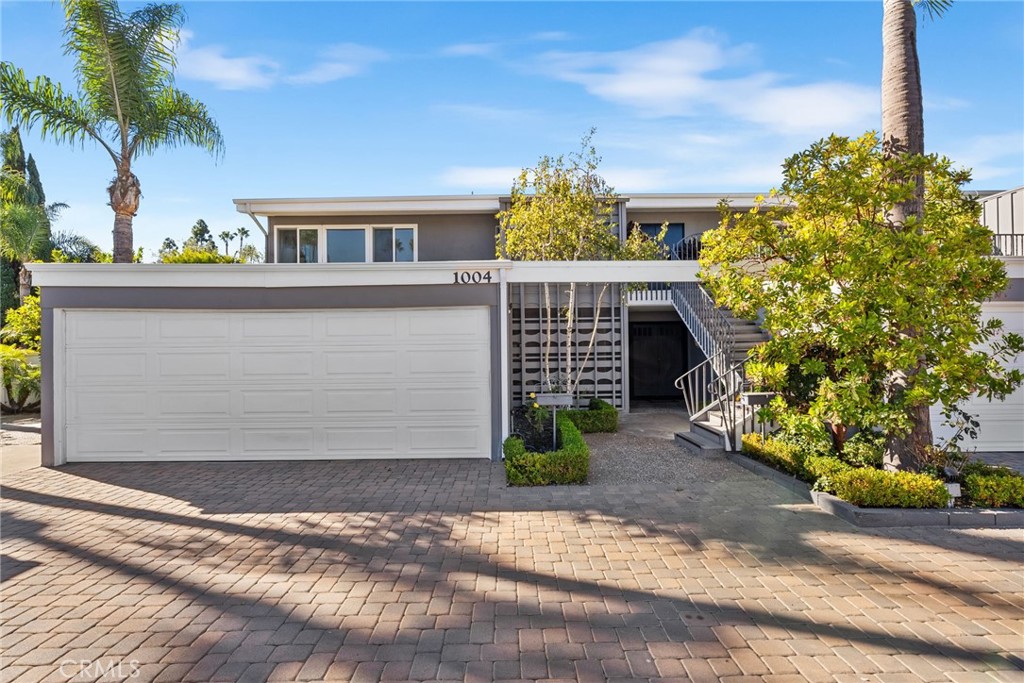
(416, 570)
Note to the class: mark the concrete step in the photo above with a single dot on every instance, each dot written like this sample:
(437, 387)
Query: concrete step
(708, 430)
(698, 443)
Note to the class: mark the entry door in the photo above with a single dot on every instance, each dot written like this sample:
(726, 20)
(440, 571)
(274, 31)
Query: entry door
(657, 356)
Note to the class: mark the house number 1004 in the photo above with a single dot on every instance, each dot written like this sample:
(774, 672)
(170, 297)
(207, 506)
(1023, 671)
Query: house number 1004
(471, 277)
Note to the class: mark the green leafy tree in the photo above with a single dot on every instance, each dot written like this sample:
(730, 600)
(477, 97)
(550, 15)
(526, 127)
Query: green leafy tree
(250, 254)
(200, 237)
(840, 284)
(70, 247)
(191, 254)
(903, 133)
(563, 210)
(127, 102)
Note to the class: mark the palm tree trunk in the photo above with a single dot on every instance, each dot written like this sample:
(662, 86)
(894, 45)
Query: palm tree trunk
(903, 133)
(902, 107)
(125, 193)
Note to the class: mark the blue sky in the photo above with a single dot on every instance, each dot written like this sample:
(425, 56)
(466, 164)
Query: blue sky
(343, 99)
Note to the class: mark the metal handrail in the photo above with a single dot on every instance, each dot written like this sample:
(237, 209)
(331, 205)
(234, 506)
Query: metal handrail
(699, 386)
(1008, 245)
(707, 322)
(686, 249)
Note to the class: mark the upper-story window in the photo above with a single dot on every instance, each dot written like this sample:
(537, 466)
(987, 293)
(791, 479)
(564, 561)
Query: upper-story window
(347, 244)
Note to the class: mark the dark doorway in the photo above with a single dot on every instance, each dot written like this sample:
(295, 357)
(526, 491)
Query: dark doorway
(657, 356)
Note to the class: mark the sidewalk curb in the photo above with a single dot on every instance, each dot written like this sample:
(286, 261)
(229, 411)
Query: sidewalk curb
(981, 518)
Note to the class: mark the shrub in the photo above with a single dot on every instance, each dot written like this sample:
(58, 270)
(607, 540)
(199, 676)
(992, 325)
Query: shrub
(781, 455)
(864, 449)
(866, 487)
(20, 379)
(600, 416)
(196, 255)
(570, 464)
(822, 471)
(23, 326)
(997, 488)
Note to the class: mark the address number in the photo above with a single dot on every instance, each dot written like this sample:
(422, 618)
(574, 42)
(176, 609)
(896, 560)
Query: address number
(471, 277)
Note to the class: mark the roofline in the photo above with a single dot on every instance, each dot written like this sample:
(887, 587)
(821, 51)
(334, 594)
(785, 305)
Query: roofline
(453, 204)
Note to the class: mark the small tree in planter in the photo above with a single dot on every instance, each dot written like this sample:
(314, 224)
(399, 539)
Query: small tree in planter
(563, 210)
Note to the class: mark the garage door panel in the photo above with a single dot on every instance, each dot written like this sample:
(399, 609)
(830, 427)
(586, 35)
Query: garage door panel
(360, 441)
(193, 365)
(361, 402)
(360, 327)
(91, 404)
(204, 442)
(288, 363)
(276, 402)
(107, 367)
(221, 385)
(360, 362)
(194, 403)
(190, 330)
(266, 326)
(109, 326)
(298, 441)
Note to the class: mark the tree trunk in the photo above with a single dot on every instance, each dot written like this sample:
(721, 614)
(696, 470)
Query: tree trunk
(902, 104)
(903, 133)
(24, 283)
(125, 193)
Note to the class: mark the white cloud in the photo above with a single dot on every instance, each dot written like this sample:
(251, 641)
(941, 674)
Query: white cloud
(944, 103)
(470, 50)
(210, 64)
(481, 112)
(343, 60)
(480, 178)
(990, 156)
(686, 77)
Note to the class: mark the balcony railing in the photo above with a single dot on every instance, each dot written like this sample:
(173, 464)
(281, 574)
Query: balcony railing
(1008, 245)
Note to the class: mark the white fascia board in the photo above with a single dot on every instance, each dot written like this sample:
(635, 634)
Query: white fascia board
(665, 202)
(355, 206)
(1014, 266)
(603, 271)
(263, 275)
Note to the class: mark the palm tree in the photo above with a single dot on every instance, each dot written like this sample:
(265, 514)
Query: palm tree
(242, 234)
(226, 236)
(24, 229)
(127, 101)
(903, 133)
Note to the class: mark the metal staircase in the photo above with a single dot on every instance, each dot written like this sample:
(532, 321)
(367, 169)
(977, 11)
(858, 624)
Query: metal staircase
(711, 390)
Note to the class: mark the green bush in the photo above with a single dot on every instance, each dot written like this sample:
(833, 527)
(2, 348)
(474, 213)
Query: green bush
(821, 470)
(570, 464)
(23, 326)
(20, 379)
(864, 449)
(866, 487)
(196, 255)
(997, 488)
(787, 457)
(601, 416)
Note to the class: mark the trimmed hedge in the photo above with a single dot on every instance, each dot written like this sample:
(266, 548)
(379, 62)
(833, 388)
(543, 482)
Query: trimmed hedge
(997, 488)
(866, 487)
(570, 464)
(600, 417)
(786, 457)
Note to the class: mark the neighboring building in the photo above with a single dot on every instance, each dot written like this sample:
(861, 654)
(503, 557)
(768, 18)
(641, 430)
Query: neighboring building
(385, 327)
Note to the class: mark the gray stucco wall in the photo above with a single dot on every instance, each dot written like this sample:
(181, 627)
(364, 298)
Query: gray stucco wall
(231, 298)
(442, 237)
(694, 222)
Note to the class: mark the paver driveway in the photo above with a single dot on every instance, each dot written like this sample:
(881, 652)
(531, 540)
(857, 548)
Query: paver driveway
(435, 571)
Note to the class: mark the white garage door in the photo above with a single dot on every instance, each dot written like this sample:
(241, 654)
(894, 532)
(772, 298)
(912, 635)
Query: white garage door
(1002, 422)
(249, 385)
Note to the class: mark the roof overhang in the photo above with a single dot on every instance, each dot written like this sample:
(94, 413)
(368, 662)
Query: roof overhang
(368, 206)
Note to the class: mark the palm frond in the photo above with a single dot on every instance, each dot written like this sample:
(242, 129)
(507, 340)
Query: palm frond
(934, 8)
(122, 61)
(175, 119)
(24, 228)
(59, 115)
(77, 248)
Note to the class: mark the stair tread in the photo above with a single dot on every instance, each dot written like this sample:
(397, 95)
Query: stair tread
(701, 443)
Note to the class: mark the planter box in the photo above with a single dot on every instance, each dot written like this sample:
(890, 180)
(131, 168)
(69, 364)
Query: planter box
(555, 400)
(756, 398)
